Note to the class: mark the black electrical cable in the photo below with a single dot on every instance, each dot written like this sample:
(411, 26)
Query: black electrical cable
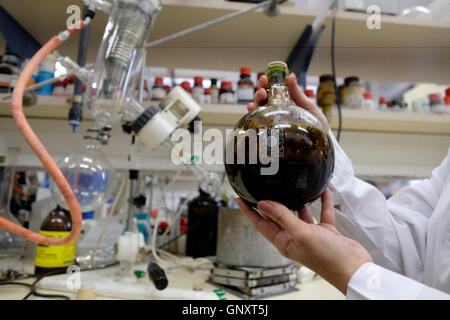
(39, 278)
(9, 283)
(184, 233)
(31, 292)
(338, 97)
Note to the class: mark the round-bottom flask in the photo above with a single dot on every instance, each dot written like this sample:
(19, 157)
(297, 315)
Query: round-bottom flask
(280, 151)
(90, 175)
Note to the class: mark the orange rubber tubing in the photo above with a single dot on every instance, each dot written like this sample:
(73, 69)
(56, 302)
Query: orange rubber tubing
(40, 151)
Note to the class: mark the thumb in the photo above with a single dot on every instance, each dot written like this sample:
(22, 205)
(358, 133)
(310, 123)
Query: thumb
(327, 215)
(300, 99)
(298, 96)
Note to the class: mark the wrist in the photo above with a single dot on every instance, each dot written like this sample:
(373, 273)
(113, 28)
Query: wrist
(349, 273)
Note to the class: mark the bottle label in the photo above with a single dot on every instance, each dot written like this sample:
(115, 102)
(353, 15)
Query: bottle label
(245, 93)
(58, 91)
(214, 96)
(52, 256)
(227, 97)
(354, 100)
(48, 89)
(158, 93)
(197, 94)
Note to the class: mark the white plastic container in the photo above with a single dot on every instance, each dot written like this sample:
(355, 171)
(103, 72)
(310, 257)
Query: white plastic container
(369, 104)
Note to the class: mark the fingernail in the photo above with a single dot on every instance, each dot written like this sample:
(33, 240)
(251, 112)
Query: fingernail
(294, 75)
(265, 206)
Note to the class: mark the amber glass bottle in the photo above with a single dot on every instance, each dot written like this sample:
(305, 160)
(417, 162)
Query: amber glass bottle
(57, 224)
(201, 238)
(288, 142)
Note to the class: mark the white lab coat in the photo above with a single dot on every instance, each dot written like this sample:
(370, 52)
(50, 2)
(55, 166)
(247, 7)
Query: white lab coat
(407, 235)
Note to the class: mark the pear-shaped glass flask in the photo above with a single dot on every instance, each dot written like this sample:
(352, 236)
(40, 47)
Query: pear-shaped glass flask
(280, 151)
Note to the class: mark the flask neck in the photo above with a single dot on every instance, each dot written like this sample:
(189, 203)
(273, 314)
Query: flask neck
(278, 95)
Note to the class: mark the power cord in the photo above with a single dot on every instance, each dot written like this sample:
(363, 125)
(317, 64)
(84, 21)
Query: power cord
(338, 97)
(32, 287)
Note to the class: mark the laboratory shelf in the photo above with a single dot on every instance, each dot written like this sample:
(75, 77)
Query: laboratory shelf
(403, 50)
(353, 120)
(226, 115)
(47, 107)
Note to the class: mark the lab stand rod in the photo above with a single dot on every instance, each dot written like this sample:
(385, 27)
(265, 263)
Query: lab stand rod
(211, 22)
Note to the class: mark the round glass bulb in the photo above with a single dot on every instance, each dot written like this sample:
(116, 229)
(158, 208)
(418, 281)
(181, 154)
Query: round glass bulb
(91, 177)
(280, 151)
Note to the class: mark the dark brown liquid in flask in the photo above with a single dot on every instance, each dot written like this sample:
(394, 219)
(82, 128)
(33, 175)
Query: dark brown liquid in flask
(49, 259)
(296, 140)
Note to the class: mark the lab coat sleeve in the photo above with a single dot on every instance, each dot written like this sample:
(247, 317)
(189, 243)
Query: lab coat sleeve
(372, 282)
(394, 231)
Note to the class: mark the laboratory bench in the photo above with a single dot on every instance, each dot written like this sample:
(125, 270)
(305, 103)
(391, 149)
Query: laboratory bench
(315, 289)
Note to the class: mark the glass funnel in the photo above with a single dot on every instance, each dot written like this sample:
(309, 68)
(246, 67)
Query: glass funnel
(280, 151)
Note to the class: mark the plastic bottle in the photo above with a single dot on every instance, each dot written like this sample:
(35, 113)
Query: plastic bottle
(383, 104)
(167, 88)
(46, 72)
(158, 91)
(420, 105)
(202, 226)
(198, 90)
(207, 96)
(436, 103)
(57, 224)
(354, 93)
(245, 90)
(226, 93)
(447, 100)
(214, 91)
(394, 105)
(186, 86)
(369, 104)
